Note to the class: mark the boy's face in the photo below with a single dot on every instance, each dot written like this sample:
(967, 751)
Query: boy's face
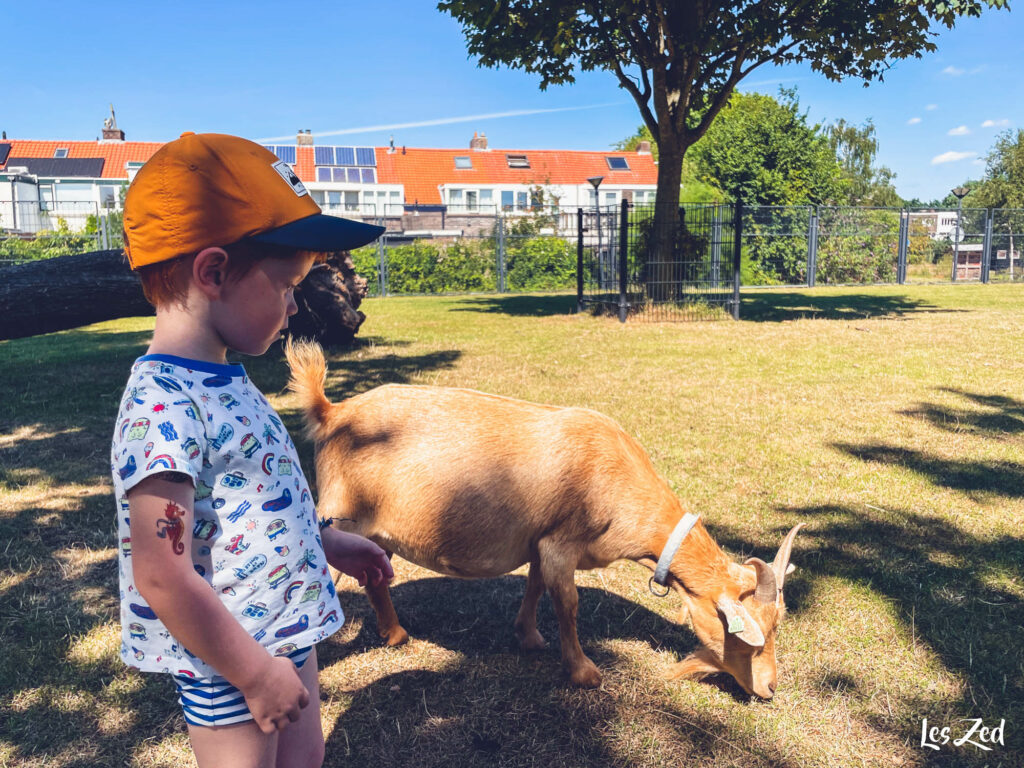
(254, 310)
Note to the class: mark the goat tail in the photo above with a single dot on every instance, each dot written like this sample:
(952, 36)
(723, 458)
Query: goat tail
(308, 373)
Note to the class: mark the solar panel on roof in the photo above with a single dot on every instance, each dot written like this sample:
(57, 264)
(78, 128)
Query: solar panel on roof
(345, 156)
(5, 150)
(353, 175)
(323, 155)
(365, 156)
(286, 153)
(368, 176)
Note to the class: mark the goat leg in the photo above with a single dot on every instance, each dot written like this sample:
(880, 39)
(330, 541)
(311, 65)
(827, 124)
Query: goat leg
(557, 569)
(530, 638)
(387, 620)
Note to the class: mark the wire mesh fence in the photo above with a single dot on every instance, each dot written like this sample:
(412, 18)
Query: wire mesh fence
(617, 258)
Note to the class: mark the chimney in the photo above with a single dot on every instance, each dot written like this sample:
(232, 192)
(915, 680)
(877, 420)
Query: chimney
(478, 142)
(110, 129)
(643, 148)
(304, 139)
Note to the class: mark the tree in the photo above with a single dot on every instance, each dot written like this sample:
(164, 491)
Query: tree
(681, 61)
(763, 152)
(855, 148)
(1003, 185)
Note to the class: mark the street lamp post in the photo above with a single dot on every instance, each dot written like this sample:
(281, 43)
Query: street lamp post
(595, 182)
(960, 193)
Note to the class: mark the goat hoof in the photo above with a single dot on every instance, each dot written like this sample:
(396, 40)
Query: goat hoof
(395, 636)
(585, 676)
(531, 641)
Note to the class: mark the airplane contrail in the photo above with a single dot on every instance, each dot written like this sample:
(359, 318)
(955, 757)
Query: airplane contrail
(444, 121)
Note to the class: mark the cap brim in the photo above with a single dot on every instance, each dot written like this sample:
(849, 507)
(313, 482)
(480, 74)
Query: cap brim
(321, 232)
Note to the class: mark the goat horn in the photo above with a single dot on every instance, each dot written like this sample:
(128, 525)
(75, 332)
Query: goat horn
(781, 562)
(766, 591)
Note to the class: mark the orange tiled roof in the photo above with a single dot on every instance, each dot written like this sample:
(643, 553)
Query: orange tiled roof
(421, 171)
(114, 153)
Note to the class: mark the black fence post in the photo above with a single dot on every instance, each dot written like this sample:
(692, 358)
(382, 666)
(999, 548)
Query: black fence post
(737, 229)
(986, 250)
(902, 247)
(579, 259)
(623, 249)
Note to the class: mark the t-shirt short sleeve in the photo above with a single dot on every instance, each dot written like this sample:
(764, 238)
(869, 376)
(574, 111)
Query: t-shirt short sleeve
(159, 429)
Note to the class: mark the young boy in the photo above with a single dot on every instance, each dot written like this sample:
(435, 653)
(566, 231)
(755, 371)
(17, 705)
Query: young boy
(223, 565)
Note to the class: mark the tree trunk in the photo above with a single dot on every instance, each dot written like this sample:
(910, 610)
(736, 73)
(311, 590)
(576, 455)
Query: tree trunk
(71, 291)
(662, 261)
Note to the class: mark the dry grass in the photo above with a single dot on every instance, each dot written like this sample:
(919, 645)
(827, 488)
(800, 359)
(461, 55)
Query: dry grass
(891, 420)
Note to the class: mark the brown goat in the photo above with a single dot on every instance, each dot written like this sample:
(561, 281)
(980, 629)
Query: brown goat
(475, 485)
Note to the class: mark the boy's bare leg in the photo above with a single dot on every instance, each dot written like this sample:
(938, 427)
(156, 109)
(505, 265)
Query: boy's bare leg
(301, 744)
(242, 745)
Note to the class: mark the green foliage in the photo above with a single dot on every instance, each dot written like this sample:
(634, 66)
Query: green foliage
(762, 151)
(46, 245)
(1003, 185)
(862, 182)
(533, 262)
(857, 246)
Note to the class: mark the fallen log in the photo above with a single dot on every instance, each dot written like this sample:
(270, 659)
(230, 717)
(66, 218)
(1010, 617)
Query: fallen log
(71, 291)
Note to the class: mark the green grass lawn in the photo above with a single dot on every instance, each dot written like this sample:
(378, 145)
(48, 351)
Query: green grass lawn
(890, 420)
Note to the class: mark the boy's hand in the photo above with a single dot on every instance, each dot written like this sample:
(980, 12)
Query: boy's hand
(276, 695)
(357, 557)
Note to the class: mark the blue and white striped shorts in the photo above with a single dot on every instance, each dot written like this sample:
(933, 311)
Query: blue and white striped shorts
(214, 701)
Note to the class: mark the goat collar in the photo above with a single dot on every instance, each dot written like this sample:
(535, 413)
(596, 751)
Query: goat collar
(683, 527)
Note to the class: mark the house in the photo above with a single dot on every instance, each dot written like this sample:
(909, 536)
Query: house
(412, 190)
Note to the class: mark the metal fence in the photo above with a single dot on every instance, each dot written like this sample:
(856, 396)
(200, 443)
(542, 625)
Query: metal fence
(605, 254)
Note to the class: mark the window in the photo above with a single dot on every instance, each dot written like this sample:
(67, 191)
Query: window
(487, 200)
(369, 177)
(353, 174)
(507, 199)
(318, 196)
(61, 152)
(454, 197)
(521, 201)
(463, 162)
(323, 174)
(352, 201)
(517, 161)
(609, 198)
(617, 164)
(471, 200)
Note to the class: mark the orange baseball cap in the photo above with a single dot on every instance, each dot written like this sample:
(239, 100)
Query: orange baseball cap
(210, 189)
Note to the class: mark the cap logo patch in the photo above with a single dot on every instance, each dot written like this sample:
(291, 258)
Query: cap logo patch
(289, 175)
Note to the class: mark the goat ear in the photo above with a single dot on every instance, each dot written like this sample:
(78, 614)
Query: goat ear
(790, 569)
(698, 664)
(739, 622)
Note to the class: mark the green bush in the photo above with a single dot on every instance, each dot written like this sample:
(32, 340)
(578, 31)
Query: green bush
(540, 264)
(60, 242)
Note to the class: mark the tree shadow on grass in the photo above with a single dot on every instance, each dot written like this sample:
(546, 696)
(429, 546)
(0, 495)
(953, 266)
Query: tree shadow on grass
(519, 306)
(778, 306)
(1001, 417)
(495, 705)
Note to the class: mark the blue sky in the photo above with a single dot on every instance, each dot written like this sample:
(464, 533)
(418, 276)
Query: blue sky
(360, 73)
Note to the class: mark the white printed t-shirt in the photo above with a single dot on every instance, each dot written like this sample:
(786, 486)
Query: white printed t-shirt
(255, 538)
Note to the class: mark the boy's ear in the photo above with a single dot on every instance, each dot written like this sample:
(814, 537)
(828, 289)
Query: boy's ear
(209, 271)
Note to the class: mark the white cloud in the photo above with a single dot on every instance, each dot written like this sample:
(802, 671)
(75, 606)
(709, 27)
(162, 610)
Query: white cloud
(914, 121)
(951, 157)
(960, 130)
(951, 70)
(1002, 123)
(930, 107)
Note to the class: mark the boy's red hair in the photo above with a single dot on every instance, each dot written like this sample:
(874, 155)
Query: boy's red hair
(166, 282)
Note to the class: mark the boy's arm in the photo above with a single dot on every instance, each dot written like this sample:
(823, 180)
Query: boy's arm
(356, 556)
(161, 512)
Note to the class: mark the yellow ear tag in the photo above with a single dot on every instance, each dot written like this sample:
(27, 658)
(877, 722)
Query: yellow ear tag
(735, 625)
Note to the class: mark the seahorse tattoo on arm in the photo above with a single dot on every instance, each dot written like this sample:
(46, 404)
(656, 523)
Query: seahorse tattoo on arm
(172, 528)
